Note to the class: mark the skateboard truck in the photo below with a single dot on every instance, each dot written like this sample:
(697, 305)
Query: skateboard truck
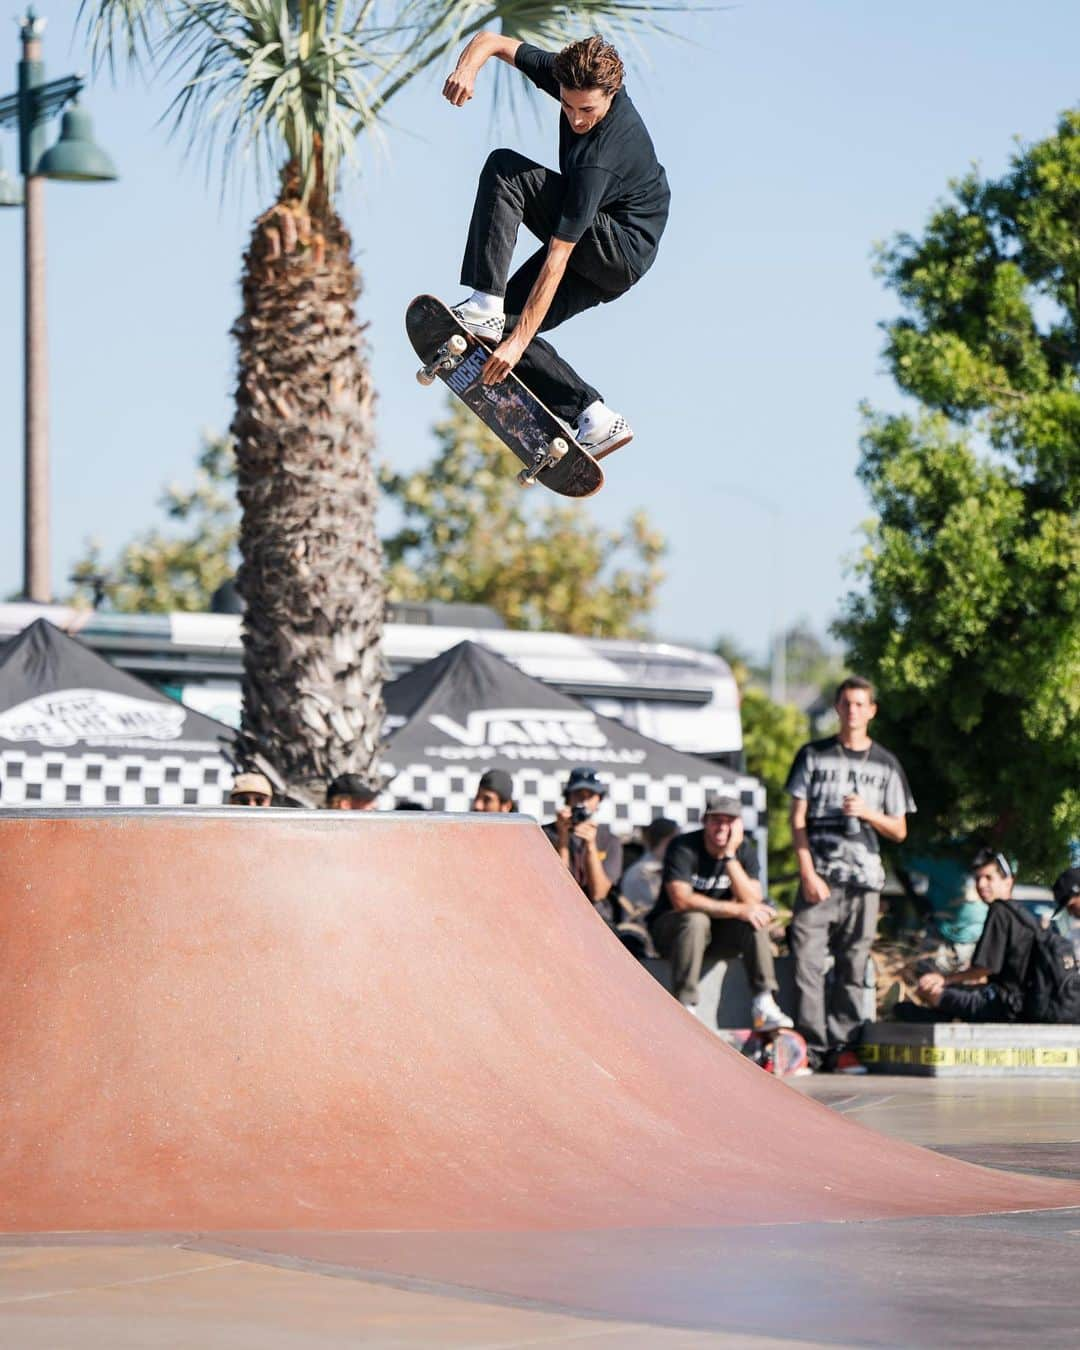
(446, 358)
(543, 460)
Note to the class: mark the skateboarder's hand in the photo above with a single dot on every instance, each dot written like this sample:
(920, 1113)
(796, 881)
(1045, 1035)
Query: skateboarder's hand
(502, 360)
(458, 89)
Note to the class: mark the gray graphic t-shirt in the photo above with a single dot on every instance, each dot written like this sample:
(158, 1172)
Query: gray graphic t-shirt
(824, 773)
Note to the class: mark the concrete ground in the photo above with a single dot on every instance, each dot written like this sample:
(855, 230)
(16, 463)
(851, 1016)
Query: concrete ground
(993, 1280)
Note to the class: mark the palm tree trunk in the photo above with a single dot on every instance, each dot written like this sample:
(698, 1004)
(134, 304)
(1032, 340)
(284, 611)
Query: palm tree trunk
(311, 570)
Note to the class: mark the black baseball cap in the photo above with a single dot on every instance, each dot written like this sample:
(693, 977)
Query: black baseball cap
(499, 782)
(1066, 886)
(584, 776)
(351, 785)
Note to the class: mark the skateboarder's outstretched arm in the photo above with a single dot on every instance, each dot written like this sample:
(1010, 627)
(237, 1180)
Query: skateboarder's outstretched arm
(509, 352)
(458, 89)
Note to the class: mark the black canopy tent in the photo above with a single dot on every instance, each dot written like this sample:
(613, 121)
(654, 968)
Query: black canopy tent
(469, 710)
(74, 730)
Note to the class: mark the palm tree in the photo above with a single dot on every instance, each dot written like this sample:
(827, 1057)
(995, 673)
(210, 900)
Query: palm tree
(294, 84)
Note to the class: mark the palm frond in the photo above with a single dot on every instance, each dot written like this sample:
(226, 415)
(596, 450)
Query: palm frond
(302, 80)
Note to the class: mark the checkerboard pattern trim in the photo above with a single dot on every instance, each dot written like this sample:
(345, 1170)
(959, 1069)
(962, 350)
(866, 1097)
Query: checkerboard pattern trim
(108, 780)
(634, 798)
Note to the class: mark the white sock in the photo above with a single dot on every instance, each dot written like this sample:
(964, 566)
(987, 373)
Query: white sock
(487, 304)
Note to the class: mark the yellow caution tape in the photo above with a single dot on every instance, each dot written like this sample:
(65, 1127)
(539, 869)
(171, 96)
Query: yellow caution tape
(975, 1057)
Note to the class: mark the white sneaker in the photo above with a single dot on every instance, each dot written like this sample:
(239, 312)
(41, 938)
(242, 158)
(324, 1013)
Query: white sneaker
(600, 430)
(767, 1014)
(482, 323)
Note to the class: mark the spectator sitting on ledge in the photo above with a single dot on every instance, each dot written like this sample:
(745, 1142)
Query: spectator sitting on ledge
(711, 905)
(251, 789)
(992, 987)
(351, 792)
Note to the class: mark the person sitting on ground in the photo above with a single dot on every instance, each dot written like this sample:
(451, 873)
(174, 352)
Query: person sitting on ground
(590, 850)
(494, 793)
(711, 906)
(991, 989)
(351, 792)
(251, 789)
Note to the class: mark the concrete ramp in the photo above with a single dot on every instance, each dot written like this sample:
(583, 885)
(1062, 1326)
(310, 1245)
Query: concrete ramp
(271, 1020)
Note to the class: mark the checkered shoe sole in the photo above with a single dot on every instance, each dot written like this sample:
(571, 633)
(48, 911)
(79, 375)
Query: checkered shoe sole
(490, 329)
(618, 434)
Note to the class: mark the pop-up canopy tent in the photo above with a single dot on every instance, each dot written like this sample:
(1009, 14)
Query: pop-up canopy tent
(469, 710)
(75, 730)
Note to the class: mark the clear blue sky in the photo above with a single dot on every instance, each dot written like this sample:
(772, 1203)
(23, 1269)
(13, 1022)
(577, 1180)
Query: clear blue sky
(795, 133)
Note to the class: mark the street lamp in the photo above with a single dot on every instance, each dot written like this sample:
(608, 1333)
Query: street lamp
(74, 158)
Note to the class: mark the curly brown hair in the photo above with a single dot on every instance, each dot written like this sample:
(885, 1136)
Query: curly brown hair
(590, 63)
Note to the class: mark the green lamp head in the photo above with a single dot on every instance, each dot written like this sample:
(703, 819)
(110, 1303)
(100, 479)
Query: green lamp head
(76, 157)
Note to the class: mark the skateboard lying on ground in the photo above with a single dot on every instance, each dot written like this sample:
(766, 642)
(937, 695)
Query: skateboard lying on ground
(536, 436)
(780, 1051)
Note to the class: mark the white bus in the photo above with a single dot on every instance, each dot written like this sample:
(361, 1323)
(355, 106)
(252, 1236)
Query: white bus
(679, 695)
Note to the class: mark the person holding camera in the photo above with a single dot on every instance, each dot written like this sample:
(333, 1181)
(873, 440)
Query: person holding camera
(588, 849)
(711, 906)
(846, 792)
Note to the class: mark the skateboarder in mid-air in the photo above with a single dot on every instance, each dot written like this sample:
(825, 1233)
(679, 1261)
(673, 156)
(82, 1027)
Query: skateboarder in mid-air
(599, 221)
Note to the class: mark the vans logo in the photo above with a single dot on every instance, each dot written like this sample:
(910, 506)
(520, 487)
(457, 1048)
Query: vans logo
(468, 372)
(529, 734)
(91, 715)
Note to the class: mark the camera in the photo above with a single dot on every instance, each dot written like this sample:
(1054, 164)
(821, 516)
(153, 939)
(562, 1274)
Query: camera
(579, 814)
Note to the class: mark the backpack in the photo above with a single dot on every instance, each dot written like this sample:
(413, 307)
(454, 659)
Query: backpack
(1052, 982)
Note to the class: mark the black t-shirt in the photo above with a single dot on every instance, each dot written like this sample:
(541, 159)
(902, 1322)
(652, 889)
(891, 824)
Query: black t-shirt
(608, 846)
(1004, 949)
(612, 168)
(687, 859)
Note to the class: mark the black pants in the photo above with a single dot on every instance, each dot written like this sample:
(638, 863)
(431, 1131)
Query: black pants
(976, 1003)
(515, 191)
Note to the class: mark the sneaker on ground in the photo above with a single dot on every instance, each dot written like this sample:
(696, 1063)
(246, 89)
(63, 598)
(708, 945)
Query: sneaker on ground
(767, 1015)
(600, 430)
(803, 1071)
(481, 323)
(847, 1061)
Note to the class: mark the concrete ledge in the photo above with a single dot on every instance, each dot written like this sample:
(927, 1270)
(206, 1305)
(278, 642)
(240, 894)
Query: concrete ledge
(972, 1050)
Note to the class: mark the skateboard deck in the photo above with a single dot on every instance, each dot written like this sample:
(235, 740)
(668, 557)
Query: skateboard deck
(541, 442)
(781, 1052)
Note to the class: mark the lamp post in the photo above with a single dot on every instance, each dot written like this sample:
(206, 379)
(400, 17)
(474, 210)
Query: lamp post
(75, 158)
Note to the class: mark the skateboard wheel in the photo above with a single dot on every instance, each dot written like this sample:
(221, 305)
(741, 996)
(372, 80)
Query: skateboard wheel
(526, 479)
(557, 449)
(425, 377)
(457, 344)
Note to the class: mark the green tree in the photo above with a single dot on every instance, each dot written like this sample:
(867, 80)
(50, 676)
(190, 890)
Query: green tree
(161, 571)
(772, 733)
(968, 613)
(469, 533)
(294, 84)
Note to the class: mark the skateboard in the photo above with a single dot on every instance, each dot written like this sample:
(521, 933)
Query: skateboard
(542, 443)
(780, 1051)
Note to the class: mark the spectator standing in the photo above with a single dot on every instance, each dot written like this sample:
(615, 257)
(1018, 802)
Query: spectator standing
(590, 850)
(351, 792)
(846, 791)
(251, 789)
(494, 793)
(710, 906)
